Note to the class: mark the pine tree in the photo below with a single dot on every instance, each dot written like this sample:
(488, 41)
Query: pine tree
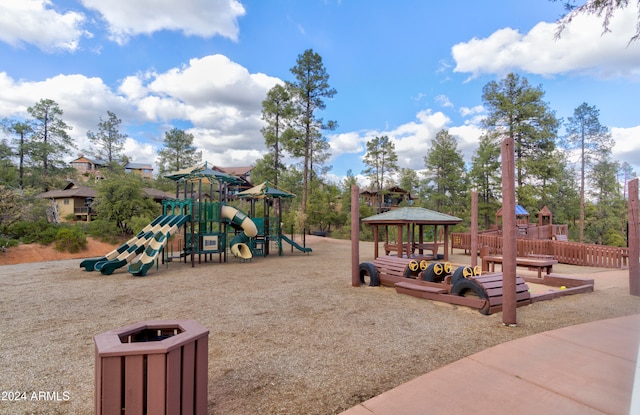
(50, 140)
(516, 110)
(485, 176)
(178, 151)
(445, 175)
(108, 141)
(310, 89)
(593, 142)
(278, 112)
(382, 161)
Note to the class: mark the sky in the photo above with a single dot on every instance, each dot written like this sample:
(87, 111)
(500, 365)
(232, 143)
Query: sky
(405, 69)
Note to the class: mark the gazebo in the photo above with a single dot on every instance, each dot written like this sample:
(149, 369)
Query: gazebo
(410, 218)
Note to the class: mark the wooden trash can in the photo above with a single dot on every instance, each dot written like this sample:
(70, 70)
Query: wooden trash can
(152, 367)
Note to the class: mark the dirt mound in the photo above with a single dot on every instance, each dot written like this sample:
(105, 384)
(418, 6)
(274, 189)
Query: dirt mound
(37, 253)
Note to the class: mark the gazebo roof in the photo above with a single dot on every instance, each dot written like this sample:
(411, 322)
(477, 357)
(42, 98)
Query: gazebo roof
(416, 215)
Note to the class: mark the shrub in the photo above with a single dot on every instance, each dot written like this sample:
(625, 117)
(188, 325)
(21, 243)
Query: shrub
(31, 231)
(104, 231)
(70, 240)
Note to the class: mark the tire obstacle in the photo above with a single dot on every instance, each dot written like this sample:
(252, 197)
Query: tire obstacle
(438, 281)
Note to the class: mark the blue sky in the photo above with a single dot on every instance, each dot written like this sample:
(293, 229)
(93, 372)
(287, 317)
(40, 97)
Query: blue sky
(405, 69)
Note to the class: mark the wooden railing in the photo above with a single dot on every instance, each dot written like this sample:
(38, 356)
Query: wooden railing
(572, 253)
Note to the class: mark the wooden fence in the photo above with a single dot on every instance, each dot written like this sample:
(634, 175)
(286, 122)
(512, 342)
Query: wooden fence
(572, 253)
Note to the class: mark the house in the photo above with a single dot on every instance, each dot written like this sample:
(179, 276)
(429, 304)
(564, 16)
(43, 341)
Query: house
(76, 200)
(387, 199)
(89, 167)
(143, 169)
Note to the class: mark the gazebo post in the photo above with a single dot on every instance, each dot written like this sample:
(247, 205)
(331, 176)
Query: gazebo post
(399, 240)
(446, 242)
(375, 241)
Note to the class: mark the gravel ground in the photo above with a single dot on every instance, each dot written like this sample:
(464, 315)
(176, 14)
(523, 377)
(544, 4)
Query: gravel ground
(288, 335)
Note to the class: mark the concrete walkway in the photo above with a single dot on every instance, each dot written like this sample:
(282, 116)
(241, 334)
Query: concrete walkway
(583, 369)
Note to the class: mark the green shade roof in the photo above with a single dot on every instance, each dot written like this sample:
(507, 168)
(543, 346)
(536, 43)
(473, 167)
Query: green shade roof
(203, 173)
(412, 215)
(264, 190)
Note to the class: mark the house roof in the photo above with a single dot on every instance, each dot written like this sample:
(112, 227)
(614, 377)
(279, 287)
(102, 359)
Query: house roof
(237, 171)
(138, 166)
(71, 190)
(416, 215)
(75, 191)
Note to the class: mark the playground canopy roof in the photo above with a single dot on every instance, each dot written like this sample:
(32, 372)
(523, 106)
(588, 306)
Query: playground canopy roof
(520, 211)
(417, 215)
(264, 190)
(203, 173)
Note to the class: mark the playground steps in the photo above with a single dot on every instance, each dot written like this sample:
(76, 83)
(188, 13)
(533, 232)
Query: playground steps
(493, 286)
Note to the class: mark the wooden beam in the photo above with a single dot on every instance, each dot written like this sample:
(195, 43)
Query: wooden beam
(474, 228)
(355, 237)
(634, 239)
(509, 232)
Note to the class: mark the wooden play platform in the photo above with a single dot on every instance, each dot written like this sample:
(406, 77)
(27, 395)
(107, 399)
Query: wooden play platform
(467, 286)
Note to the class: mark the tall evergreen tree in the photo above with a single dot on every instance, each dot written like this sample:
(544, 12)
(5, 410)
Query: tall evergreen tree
(603, 219)
(310, 89)
(593, 142)
(445, 175)
(381, 161)
(485, 175)
(517, 110)
(409, 180)
(178, 151)
(278, 112)
(108, 141)
(50, 138)
(21, 130)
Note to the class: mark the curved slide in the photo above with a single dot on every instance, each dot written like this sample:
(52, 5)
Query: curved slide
(295, 244)
(89, 263)
(135, 250)
(238, 244)
(156, 245)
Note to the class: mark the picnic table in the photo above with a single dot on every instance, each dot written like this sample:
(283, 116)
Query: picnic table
(489, 262)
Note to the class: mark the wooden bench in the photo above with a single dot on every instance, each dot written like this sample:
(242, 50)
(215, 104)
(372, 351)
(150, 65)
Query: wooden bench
(392, 269)
(489, 263)
(425, 246)
(393, 248)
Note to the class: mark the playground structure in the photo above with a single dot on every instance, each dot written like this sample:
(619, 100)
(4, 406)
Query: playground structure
(414, 267)
(206, 226)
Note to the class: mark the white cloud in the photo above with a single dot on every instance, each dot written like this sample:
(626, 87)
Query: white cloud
(35, 22)
(350, 142)
(444, 101)
(219, 98)
(627, 147)
(204, 18)
(581, 49)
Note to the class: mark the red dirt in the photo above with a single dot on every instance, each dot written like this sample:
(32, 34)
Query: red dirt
(39, 253)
